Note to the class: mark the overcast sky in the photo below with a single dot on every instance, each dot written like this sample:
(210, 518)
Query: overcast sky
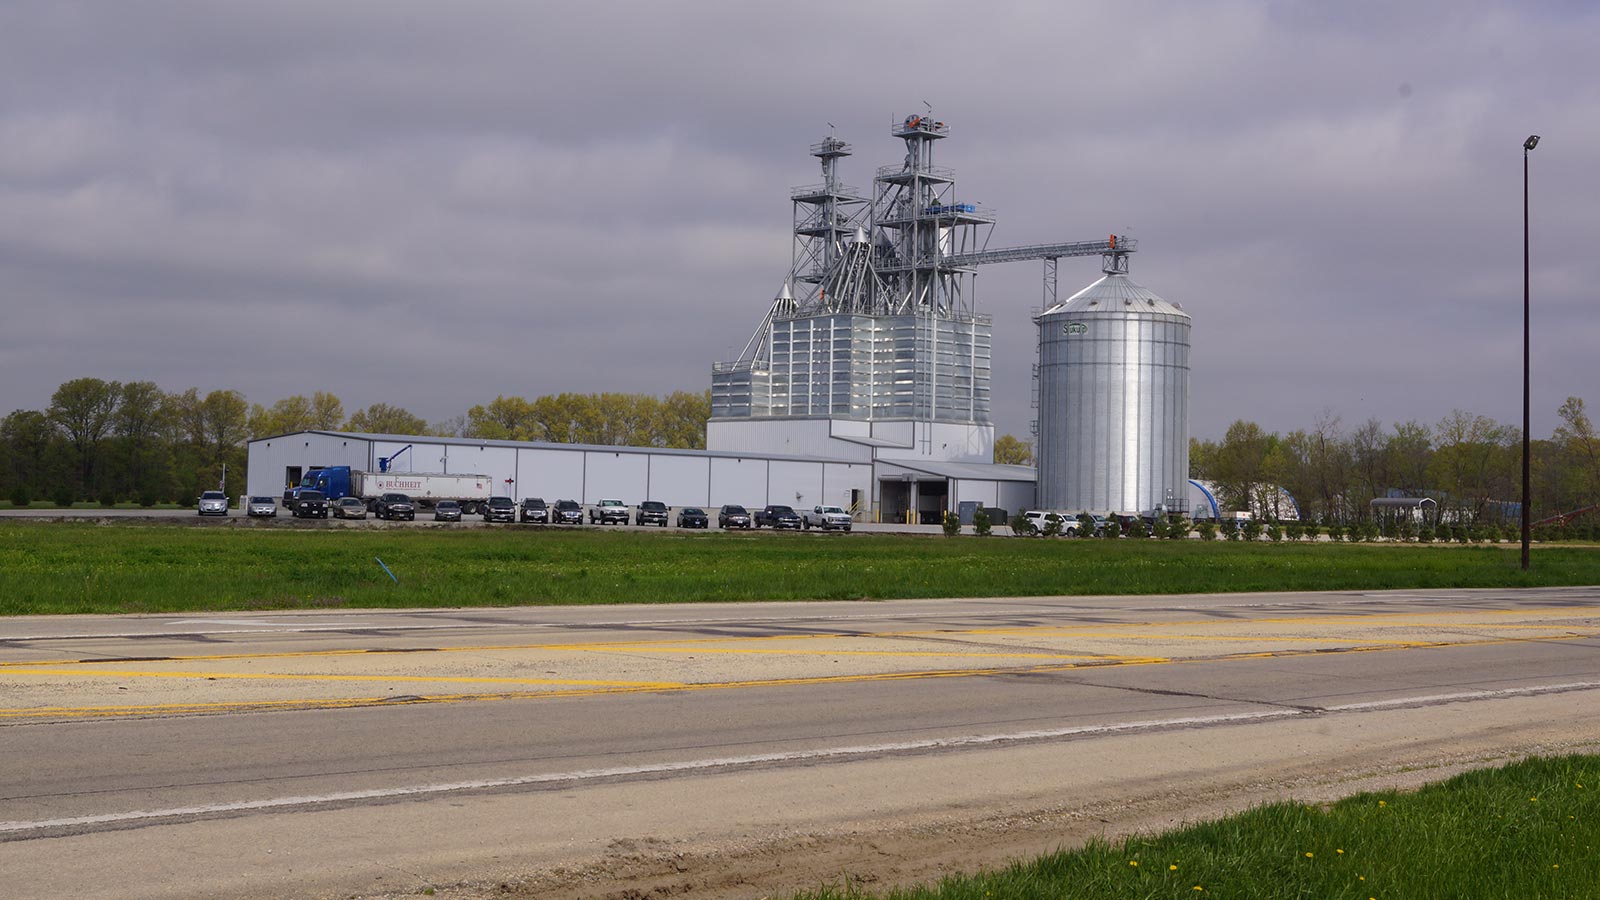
(431, 204)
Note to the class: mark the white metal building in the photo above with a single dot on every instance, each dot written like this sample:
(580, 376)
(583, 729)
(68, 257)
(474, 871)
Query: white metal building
(845, 473)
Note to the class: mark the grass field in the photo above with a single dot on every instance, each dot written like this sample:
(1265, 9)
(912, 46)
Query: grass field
(1530, 830)
(79, 568)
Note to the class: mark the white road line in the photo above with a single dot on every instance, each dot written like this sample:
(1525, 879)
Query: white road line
(650, 769)
(1488, 694)
(834, 753)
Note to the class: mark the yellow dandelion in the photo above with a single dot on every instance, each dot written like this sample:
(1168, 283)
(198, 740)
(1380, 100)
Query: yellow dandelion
(1383, 803)
(1198, 888)
(1555, 865)
(1309, 854)
(1134, 863)
(1533, 799)
(1362, 877)
(1172, 868)
(1338, 850)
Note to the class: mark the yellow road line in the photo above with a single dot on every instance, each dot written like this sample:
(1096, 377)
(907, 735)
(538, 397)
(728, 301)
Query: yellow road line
(644, 687)
(285, 676)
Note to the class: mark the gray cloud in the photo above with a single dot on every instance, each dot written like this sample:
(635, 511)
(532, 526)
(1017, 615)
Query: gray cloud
(226, 194)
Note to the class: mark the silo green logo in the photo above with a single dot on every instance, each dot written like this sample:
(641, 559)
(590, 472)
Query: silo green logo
(1074, 328)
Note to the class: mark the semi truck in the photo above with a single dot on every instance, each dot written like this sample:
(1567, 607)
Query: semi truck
(471, 491)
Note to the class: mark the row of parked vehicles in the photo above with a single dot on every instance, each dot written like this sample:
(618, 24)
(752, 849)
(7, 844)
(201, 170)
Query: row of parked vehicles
(307, 503)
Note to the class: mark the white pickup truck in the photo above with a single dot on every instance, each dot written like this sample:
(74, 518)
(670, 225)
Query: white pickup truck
(827, 518)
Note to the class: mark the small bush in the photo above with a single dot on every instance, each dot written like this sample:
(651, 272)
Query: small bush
(62, 496)
(1252, 530)
(980, 522)
(108, 500)
(1460, 533)
(1178, 528)
(1021, 524)
(1230, 529)
(20, 497)
(1085, 525)
(1113, 529)
(1425, 534)
(1208, 531)
(1135, 528)
(1274, 532)
(951, 524)
(1052, 525)
(187, 500)
(148, 498)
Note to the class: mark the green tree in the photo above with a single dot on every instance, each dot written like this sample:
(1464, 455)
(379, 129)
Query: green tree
(84, 409)
(1012, 451)
(381, 418)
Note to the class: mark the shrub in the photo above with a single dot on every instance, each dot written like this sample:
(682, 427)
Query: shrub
(1335, 532)
(20, 497)
(951, 524)
(108, 499)
(1208, 530)
(1113, 529)
(1274, 532)
(1230, 529)
(62, 495)
(187, 500)
(1021, 524)
(980, 522)
(1135, 528)
(1425, 534)
(1178, 528)
(1369, 530)
(148, 498)
(1252, 530)
(1312, 530)
(1085, 525)
(1052, 525)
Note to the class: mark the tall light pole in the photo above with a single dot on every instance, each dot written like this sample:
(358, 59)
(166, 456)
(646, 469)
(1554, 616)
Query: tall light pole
(1529, 144)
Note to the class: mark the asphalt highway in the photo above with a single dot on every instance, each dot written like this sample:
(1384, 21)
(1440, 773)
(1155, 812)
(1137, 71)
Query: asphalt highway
(334, 753)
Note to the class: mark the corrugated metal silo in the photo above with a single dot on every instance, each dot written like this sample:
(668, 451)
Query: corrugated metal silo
(1114, 400)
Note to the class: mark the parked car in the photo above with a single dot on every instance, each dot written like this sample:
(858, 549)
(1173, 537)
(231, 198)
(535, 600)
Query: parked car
(827, 518)
(568, 512)
(609, 512)
(262, 508)
(213, 503)
(693, 517)
(777, 516)
(309, 505)
(500, 509)
(447, 511)
(534, 509)
(349, 508)
(395, 506)
(732, 515)
(652, 512)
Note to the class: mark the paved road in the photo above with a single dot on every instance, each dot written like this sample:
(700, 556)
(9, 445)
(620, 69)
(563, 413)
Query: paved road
(300, 753)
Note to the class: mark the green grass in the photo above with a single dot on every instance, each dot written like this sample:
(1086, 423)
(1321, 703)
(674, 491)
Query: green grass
(78, 568)
(1529, 830)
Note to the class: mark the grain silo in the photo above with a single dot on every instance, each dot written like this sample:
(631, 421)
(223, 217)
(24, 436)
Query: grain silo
(1114, 401)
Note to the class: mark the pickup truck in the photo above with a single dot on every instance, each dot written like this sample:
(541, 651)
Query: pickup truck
(609, 512)
(827, 518)
(776, 516)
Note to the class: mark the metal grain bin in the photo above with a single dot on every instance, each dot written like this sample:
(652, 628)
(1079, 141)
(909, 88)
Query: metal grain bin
(1114, 401)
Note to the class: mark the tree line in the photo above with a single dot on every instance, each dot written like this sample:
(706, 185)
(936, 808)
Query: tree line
(1470, 465)
(112, 442)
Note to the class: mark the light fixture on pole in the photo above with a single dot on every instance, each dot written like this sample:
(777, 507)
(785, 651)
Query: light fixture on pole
(1527, 145)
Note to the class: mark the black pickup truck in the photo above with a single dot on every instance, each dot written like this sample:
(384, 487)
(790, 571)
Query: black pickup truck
(651, 512)
(777, 517)
(308, 505)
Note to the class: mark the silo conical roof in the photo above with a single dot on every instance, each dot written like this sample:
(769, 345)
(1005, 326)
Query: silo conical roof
(1115, 292)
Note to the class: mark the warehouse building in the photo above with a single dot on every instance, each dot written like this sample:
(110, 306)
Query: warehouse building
(704, 478)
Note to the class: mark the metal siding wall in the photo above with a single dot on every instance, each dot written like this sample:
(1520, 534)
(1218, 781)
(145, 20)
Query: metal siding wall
(550, 474)
(266, 461)
(741, 480)
(680, 480)
(615, 474)
(499, 463)
(792, 478)
(840, 479)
